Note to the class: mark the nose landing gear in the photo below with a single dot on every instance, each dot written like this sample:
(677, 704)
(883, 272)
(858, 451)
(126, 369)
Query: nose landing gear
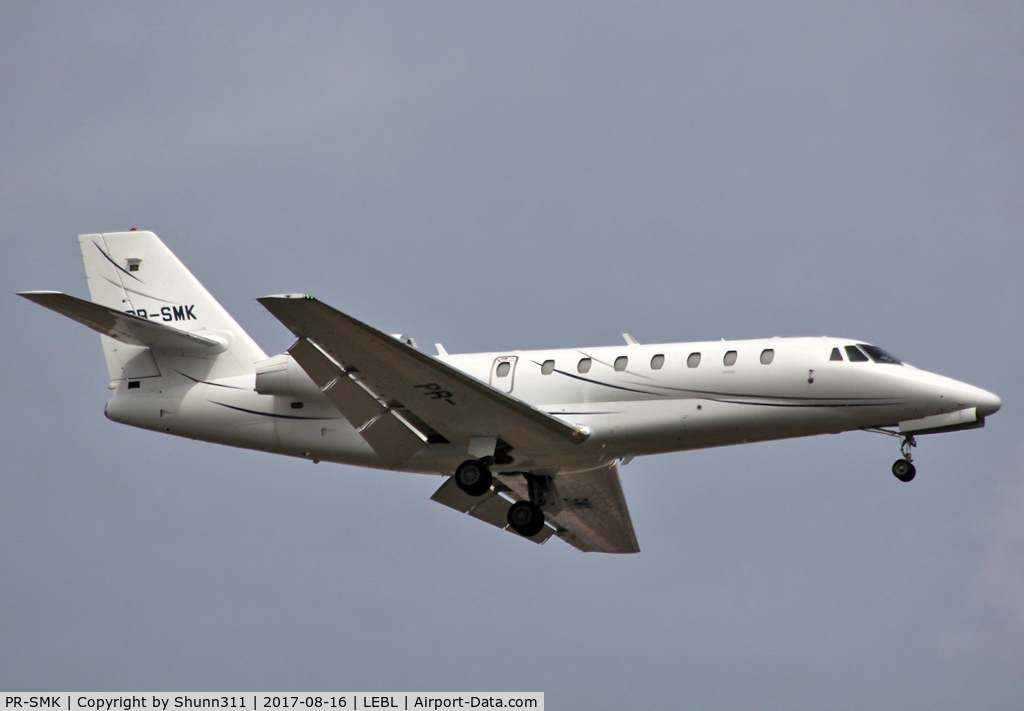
(904, 469)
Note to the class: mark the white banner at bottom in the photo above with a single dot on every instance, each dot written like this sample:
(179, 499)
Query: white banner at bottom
(260, 701)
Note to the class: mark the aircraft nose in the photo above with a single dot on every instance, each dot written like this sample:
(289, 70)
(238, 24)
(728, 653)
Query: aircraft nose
(987, 403)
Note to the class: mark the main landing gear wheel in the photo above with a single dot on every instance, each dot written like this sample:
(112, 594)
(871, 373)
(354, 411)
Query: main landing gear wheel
(525, 518)
(473, 477)
(903, 470)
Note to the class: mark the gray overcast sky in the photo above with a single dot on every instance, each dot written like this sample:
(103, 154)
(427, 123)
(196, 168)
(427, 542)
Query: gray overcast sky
(497, 176)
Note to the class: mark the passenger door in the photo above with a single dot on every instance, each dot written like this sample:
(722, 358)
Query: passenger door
(503, 373)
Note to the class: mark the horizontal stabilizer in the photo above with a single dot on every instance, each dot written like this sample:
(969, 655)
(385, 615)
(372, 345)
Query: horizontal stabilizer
(126, 328)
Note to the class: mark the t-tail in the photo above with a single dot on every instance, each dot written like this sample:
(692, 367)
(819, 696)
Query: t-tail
(151, 312)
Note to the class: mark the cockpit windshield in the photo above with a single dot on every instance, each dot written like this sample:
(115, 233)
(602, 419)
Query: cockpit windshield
(878, 355)
(855, 355)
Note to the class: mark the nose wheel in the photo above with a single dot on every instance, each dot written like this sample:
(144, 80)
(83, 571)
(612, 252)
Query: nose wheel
(904, 469)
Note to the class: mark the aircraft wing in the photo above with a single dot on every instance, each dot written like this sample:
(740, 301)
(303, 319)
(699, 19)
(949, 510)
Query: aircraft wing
(593, 515)
(123, 327)
(455, 405)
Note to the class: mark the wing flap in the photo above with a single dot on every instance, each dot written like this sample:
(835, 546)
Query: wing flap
(493, 510)
(490, 508)
(126, 328)
(392, 438)
(355, 403)
(452, 403)
(321, 369)
(453, 497)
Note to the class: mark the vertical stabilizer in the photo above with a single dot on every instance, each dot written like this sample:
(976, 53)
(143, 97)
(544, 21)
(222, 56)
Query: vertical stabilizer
(134, 272)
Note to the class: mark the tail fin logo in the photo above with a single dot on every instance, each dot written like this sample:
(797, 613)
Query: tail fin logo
(168, 313)
(116, 265)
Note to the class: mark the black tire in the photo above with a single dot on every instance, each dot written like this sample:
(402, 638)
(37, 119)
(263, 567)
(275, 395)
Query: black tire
(903, 470)
(473, 477)
(525, 518)
(911, 473)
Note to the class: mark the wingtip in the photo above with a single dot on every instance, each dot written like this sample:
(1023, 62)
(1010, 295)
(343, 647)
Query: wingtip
(40, 297)
(275, 297)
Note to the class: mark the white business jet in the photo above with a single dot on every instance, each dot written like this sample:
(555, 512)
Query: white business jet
(528, 441)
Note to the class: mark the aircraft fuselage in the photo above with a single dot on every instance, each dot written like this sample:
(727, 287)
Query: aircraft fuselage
(633, 400)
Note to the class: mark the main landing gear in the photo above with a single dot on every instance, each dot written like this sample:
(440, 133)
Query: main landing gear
(474, 477)
(526, 518)
(904, 469)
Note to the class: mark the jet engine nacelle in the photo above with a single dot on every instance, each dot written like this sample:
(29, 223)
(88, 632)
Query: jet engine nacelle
(281, 375)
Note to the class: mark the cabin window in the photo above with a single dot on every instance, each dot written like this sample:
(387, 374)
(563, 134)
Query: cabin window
(767, 355)
(584, 365)
(133, 384)
(547, 367)
(296, 405)
(730, 358)
(693, 361)
(854, 354)
(878, 355)
(503, 368)
(657, 362)
(620, 363)
(836, 354)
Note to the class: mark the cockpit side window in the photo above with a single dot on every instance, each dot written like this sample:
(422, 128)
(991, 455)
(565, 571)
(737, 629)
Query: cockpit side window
(836, 355)
(878, 355)
(854, 354)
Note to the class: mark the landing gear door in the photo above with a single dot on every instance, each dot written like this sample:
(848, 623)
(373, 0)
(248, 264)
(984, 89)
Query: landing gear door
(503, 373)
